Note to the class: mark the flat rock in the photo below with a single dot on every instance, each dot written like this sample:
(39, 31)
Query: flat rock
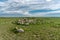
(20, 30)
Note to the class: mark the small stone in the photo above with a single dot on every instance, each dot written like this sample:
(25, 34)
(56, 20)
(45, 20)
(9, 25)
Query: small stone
(20, 30)
(34, 35)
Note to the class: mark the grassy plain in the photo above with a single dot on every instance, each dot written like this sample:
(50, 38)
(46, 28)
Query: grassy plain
(44, 29)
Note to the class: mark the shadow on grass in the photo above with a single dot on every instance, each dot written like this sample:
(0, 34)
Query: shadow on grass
(15, 31)
(15, 22)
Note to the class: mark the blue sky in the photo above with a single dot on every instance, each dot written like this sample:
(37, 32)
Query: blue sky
(49, 8)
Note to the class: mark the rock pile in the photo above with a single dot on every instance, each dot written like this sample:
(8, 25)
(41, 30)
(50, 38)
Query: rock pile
(25, 21)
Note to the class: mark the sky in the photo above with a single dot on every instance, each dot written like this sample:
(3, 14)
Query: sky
(30, 8)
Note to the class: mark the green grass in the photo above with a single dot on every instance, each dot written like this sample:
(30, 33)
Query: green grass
(44, 29)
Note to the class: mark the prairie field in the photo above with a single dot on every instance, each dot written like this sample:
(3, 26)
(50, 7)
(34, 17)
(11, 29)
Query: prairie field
(46, 28)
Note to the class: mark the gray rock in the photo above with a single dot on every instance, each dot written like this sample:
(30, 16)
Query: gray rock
(20, 30)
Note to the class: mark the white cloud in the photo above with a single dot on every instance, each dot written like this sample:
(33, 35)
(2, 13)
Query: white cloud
(13, 6)
(45, 13)
(48, 0)
(17, 12)
(2, 4)
(6, 7)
